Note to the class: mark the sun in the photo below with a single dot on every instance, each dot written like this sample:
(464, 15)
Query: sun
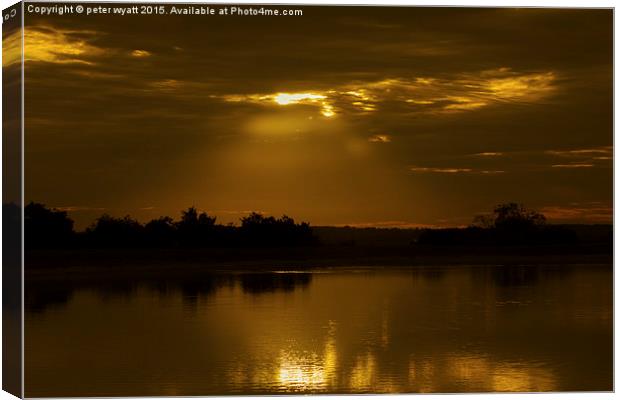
(283, 99)
(292, 98)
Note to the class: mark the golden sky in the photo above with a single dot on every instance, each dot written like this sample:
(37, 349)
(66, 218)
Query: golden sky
(365, 116)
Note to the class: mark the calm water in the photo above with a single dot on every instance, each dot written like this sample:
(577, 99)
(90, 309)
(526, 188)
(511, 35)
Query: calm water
(459, 329)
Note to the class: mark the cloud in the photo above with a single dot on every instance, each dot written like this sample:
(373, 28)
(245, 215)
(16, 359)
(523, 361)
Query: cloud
(237, 212)
(79, 208)
(284, 99)
(390, 224)
(575, 165)
(12, 49)
(515, 87)
(53, 45)
(587, 158)
(97, 74)
(450, 94)
(593, 212)
(460, 92)
(459, 103)
(540, 160)
(451, 170)
(380, 138)
(596, 151)
(140, 53)
(167, 85)
(421, 102)
(440, 170)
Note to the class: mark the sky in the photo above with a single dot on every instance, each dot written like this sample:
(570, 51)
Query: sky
(361, 116)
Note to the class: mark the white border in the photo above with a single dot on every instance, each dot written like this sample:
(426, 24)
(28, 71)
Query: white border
(461, 3)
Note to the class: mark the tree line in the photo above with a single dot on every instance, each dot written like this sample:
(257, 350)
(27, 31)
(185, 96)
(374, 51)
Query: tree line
(508, 224)
(48, 227)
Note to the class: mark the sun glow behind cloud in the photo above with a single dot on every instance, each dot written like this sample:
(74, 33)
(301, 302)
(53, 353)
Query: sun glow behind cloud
(292, 98)
(285, 99)
(423, 95)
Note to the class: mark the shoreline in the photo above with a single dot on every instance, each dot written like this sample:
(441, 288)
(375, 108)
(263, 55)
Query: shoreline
(151, 262)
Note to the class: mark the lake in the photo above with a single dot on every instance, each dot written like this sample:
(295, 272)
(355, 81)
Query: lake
(419, 329)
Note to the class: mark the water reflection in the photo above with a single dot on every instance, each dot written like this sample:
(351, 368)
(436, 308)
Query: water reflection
(363, 375)
(455, 329)
(479, 373)
(258, 283)
(309, 371)
(41, 298)
(522, 378)
(41, 294)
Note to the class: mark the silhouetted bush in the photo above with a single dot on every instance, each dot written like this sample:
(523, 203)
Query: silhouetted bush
(44, 227)
(257, 230)
(109, 231)
(160, 232)
(556, 235)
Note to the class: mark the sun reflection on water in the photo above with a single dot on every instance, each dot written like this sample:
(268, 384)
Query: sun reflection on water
(263, 337)
(305, 371)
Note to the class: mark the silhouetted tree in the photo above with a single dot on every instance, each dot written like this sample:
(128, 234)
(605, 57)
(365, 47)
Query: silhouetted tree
(509, 216)
(509, 224)
(195, 229)
(515, 224)
(45, 227)
(515, 216)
